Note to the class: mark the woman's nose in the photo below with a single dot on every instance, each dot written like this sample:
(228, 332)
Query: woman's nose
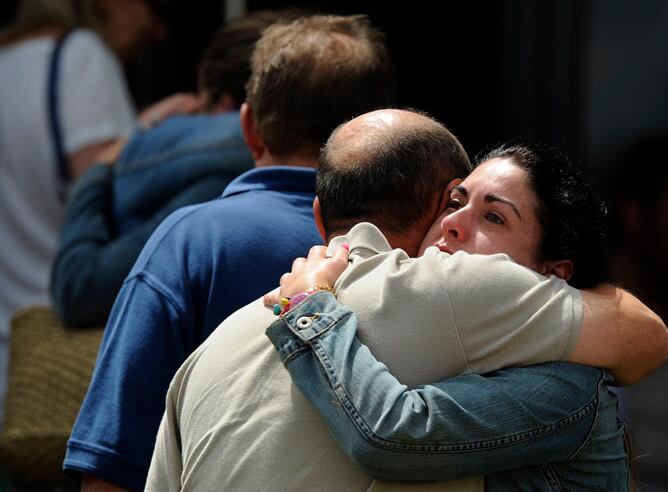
(453, 227)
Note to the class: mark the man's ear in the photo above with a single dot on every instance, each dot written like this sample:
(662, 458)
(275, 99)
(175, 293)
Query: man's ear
(445, 195)
(453, 183)
(560, 268)
(253, 140)
(317, 215)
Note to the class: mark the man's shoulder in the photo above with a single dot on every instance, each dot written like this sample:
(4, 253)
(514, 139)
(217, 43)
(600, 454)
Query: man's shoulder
(237, 349)
(474, 267)
(434, 269)
(193, 240)
(253, 403)
(226, 218)
(191, 221)
(187, 137)
(185, 231)
(473, 282)
(209, 219)
(246, 323)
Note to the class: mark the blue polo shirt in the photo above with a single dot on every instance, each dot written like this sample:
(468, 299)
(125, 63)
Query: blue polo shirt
(200, 265)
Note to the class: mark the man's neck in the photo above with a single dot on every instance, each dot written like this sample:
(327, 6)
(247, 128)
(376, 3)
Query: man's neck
(408, 244)
(266, 159)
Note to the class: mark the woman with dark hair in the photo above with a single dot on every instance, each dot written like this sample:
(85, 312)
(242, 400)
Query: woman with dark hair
(567, 217)
(524, 201)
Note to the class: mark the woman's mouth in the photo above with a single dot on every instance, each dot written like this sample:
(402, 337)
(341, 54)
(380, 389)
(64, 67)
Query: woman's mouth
(443, 247)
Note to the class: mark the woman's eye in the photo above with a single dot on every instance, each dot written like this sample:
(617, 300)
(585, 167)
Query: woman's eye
(494, 218)
(453, 205)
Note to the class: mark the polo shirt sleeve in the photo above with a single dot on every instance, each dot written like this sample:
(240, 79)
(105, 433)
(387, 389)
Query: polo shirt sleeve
(141, 350)
(505, 314)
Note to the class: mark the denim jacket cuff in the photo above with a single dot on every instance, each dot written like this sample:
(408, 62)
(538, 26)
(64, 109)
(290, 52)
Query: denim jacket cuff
(305, 323)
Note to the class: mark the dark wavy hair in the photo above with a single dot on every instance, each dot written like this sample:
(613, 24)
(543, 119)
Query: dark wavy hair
(571, 214)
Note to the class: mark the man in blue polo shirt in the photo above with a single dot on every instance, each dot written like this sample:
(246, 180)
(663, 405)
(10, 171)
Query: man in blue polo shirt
(205, 261)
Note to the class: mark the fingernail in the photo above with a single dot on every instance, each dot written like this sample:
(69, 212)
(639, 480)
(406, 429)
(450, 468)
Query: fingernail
(346, 247)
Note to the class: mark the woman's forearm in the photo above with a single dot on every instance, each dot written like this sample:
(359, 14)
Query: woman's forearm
(461, 427)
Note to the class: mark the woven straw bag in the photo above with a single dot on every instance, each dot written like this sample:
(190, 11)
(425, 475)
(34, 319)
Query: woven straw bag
(49, 371)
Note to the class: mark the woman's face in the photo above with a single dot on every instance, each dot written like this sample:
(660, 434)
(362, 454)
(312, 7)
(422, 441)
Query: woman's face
(494, 210)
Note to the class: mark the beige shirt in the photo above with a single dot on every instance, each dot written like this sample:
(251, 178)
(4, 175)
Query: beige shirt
(235, 421)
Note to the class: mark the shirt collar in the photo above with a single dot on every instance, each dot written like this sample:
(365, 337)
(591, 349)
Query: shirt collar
(364, 240)
(273, 178)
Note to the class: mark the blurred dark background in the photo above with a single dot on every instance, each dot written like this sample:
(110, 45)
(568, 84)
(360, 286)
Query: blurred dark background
(585, 75)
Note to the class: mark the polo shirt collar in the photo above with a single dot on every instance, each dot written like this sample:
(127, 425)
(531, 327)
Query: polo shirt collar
(274, 178)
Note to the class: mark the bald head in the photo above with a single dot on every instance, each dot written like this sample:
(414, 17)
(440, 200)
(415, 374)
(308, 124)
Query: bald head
(360, 139)
(386, 167)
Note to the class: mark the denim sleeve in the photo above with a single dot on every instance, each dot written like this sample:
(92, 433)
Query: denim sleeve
(464, 426)
(92, 262)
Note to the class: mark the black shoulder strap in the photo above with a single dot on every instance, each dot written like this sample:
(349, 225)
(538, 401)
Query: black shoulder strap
(54, 119)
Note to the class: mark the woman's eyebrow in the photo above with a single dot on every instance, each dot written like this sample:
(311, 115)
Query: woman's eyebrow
(462, 190)
(496, 198)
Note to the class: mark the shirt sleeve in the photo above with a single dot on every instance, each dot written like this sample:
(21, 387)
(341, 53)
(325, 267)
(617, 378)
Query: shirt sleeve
(505, 314)
(94, 103)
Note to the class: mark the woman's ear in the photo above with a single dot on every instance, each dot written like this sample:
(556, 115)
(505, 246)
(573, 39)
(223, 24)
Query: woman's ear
(560, 268)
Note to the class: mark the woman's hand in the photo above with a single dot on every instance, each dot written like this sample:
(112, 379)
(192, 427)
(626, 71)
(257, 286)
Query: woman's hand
(181, 103)
(317, 269)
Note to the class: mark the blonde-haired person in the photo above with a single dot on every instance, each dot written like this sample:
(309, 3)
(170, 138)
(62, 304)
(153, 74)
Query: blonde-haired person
(58, 109)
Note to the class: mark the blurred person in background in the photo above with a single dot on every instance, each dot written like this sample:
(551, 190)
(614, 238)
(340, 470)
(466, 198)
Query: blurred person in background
(185, 159)
(63, 99)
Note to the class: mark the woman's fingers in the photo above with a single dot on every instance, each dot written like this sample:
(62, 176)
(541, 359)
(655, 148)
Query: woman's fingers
(342, 253)
(298, 264)
(316, 270)
(271, 298)
(317, 252)
(285, 278)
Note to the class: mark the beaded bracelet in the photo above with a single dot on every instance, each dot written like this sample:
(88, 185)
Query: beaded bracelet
(287, 303)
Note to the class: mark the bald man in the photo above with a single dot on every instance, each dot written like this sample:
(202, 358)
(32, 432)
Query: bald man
(233, 419)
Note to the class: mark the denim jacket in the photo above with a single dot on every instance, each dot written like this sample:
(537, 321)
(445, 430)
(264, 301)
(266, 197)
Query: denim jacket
(548, 427)
(113, 210)
(159, 163)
